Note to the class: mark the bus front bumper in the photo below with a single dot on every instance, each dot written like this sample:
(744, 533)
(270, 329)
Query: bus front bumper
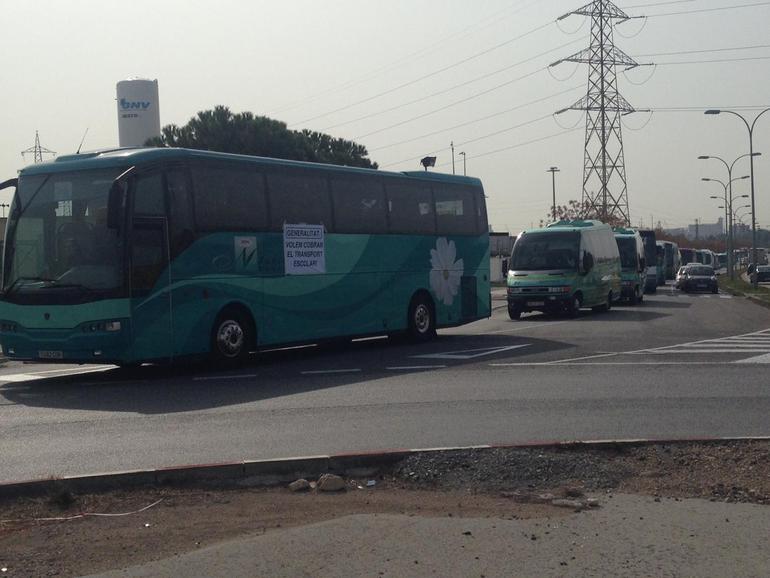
(526, 303)
(90, 343)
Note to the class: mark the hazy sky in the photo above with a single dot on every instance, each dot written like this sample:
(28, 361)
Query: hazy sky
(401, 77)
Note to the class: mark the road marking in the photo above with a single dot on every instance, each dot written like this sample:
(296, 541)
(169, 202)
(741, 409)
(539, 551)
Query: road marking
(470, 353)
(215, 377)
(761, 359)
(329, 371)
(521, 328)
(19, 377)
(415, 367)
(608, 363)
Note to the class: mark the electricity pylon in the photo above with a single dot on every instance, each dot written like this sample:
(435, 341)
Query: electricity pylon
(38, 150)
(605, 188)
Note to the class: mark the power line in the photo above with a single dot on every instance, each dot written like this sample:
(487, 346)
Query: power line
(681, 52)
(406, 58)
(715, 61)
(449, 89)
(474, 121)
(429, 75)
(701, 10)
(455, 103)
(488, 153)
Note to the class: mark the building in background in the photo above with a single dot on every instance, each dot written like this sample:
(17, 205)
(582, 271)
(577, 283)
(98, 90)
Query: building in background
(699, 230)
(500, 247)
(138, 111)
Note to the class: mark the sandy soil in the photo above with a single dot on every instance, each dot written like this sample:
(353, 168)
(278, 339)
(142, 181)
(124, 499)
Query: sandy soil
(457, 484)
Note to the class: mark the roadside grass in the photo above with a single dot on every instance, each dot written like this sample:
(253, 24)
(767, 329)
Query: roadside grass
(741, 288)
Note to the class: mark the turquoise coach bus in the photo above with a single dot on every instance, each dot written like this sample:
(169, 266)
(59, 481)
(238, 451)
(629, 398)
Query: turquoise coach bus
(150, 255)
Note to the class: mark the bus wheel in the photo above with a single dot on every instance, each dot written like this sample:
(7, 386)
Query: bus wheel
(231, 337)
(422, 322)
(514, 313)
(639, 296)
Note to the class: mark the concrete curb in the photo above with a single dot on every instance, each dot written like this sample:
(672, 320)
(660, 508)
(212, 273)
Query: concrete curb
(266, 473)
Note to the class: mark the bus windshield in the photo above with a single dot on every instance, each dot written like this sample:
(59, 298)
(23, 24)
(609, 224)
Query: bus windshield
(546, 252)
(627, 248)
(58, 243)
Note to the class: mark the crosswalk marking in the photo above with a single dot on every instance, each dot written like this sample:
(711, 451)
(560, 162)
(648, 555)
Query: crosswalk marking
(757, 342)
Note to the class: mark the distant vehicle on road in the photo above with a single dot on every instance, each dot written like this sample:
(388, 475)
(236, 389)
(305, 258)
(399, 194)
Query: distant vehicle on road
(762, 273)
(633, 274)
(564, 267)
(671, 259)
(688, 256)
(651, 259)
(698, 278)
(150, 255)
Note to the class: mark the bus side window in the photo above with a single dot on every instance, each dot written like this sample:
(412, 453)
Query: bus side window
(148, 195)
(411, 208)
(359, 206)
(229, 198)
(299, 197)
(181, 226)
(455, 210)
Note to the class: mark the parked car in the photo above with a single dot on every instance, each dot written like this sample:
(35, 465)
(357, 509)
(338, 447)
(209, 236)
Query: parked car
(699, 278)
(680, 277)
(762, 273)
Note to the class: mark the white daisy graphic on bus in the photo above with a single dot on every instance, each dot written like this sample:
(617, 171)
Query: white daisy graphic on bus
(446, 273)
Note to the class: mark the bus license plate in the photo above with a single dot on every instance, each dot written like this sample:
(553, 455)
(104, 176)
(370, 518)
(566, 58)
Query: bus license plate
(50, 354)
(535, 303)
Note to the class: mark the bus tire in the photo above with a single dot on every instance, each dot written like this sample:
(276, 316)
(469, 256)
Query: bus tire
(514, 312)
(422, 318)
(232, 336)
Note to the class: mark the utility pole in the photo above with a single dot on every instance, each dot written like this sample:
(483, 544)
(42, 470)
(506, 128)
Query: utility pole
(37, 150)
(465, 171)
(452, 144)
(553, 171)
(604, 168)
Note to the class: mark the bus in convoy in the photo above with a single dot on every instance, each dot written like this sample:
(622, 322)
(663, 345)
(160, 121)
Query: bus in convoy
(688, 256)
(671, 259)
(564, 267)
(633, 265)
(651, 259)
(152, 255)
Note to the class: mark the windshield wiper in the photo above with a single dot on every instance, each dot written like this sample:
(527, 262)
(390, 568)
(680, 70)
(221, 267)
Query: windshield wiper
(18, 283)
(49, 284)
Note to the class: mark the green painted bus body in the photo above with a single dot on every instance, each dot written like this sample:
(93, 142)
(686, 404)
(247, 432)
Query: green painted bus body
(555, 288)
(365, 290)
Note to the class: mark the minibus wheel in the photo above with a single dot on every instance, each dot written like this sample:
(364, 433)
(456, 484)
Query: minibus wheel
(514, 312)
(574, 306)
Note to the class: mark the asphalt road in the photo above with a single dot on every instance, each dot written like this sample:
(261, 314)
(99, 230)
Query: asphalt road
(679, 366)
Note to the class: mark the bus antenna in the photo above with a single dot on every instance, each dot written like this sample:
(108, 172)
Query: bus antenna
(82, 141)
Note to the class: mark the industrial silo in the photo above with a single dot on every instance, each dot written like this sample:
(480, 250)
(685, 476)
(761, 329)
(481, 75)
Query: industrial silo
(138, 111)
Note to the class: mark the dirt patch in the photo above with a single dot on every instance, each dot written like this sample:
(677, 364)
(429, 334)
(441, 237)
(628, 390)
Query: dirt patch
(478, 483)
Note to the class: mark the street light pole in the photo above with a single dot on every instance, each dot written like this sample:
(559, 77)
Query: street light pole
(465, 172)
(452, 144)
(750, 127)
(730, 237)
(553, 171)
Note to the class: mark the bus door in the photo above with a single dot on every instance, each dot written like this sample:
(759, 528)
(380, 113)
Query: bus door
(149, 275)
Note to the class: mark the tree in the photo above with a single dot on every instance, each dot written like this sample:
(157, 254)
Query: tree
(244, 133)
(576, 211)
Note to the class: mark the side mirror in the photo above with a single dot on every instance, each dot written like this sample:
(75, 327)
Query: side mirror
(116, 204)
(750, 270)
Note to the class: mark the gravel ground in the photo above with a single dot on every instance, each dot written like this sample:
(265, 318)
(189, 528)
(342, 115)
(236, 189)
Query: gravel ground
(730, 471)
(494, 483)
